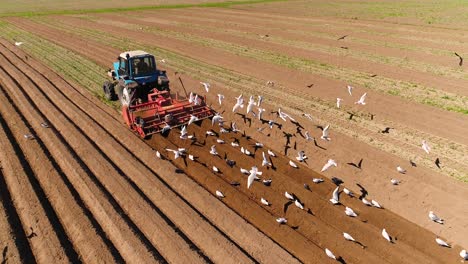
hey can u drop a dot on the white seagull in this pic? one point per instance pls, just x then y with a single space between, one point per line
301 156
192 119
288 196
464 254
260 100
206 85
18 43
215 169
251 104
265 161
244 171
219 141
338 102
335 196
158 154
298 204
442 243
219 194
191 98
376 204
400 170
348 192
281 220
325 135
329 163
364 201
348 237
217 118
177 153
260 112
362 99
253 176
239 103
350 212
220 98
234 127
350 90
271 153
183 132
395 181
317 180
426 146
307 136
292 164
213 150
265 202
386 235
329 253
435 218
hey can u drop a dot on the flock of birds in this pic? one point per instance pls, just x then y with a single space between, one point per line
254 108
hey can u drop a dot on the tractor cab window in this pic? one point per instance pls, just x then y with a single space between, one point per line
123 67
143 66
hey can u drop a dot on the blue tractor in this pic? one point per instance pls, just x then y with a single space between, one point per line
134 69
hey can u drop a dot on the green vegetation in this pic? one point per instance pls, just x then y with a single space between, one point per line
87 7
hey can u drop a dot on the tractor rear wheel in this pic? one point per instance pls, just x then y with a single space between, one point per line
109 92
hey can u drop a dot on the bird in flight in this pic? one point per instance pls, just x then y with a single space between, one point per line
362 99
18 43
460 63
206 85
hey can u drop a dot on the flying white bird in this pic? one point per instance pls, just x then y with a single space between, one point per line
362 99
265 161
348 192
364 201
400 170
282 115
281 220
245 151
464 254
165 128
335 196
219 194
309 116
253 176
376 204
435 218
18 43
350 212
327 165
271 153
239 103
191 98
234 127
177 153
217 118
298 204
196 100
260 100
192 119
350 90
307 136
206 85
162 60
265 202
317 180
301 156
442 243
292 164
260 112
183 132
213 150
329 253
251 104
386 235
223 130
395 181
220 98
426 146
325 135
288 196
338 102
348 237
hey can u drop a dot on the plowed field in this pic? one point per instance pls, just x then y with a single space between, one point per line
76 185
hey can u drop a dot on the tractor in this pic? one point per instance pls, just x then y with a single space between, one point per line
147 103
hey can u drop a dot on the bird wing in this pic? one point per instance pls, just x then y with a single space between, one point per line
335 194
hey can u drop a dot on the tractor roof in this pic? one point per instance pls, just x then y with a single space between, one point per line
133 53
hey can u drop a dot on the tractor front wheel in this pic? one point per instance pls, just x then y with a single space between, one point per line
109 92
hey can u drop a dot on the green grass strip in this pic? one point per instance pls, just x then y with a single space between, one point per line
137 8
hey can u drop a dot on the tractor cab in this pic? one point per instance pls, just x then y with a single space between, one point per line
136 70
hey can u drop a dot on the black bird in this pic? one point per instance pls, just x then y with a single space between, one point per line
461 59
364 192
33 234
437 163
386 130
337 181
310 85
355 165
412 163
342 37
